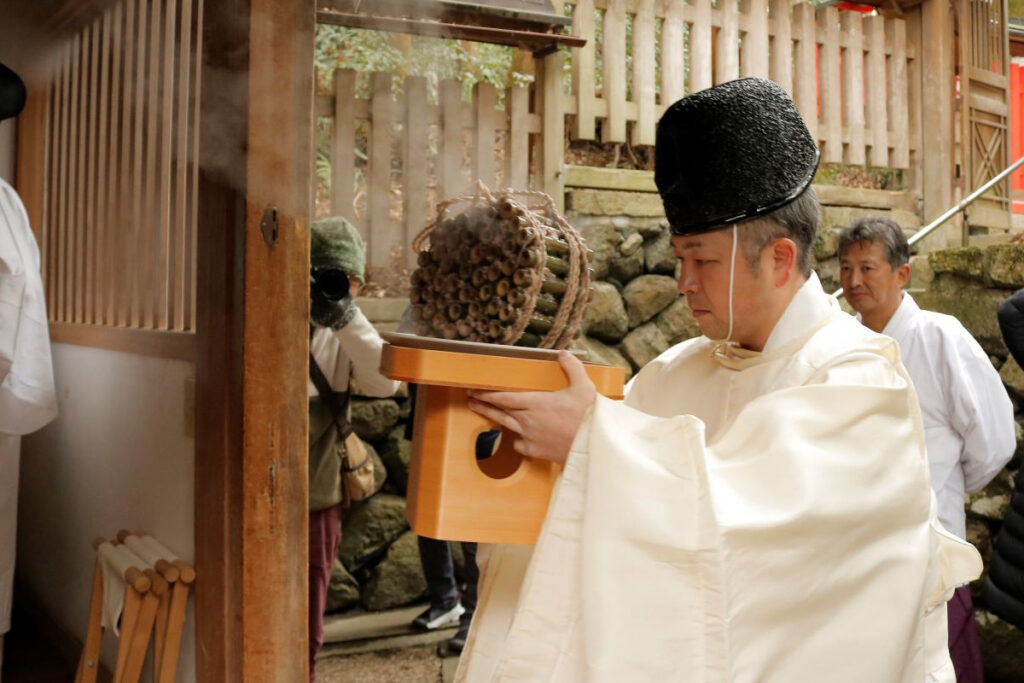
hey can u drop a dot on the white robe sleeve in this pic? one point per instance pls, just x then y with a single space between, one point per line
801 546
362 345
980 411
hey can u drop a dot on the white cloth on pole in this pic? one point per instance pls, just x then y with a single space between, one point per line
740 517
968 418
115 560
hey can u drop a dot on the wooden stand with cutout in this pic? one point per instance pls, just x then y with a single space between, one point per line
451 495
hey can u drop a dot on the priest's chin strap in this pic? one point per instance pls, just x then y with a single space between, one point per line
723 346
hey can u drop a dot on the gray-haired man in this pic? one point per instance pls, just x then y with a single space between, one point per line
968 418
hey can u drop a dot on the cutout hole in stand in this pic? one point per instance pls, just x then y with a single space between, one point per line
494 454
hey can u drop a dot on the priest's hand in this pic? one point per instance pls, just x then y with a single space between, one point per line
546 421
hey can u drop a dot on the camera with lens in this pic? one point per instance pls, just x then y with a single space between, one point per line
330 283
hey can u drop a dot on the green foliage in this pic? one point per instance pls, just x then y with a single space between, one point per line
436 59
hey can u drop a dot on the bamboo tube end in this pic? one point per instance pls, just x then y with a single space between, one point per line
167 570
157 584
123 534
188 573
137 580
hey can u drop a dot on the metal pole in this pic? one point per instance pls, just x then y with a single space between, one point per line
930 228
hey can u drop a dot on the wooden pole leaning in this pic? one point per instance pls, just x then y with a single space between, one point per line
170 615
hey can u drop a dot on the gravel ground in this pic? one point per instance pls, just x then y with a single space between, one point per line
413 665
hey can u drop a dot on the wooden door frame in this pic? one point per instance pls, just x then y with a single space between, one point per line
251 508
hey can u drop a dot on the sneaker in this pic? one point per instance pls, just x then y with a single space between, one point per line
438 617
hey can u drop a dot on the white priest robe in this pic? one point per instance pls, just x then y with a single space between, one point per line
27 397
742 516
968 418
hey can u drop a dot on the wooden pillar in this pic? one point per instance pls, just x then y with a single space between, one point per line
936 51
251 419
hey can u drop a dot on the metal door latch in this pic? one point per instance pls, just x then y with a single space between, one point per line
268 225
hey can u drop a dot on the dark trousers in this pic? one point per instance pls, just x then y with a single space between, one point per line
964 643
324 534
439 571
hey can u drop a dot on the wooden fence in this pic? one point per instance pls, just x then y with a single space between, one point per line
419 151
118 231
854 78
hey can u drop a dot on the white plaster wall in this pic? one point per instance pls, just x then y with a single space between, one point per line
117 457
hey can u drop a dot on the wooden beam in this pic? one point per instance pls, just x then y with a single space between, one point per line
276 328
936 158
224 114
155 343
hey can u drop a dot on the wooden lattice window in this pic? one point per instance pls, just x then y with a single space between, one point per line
119 207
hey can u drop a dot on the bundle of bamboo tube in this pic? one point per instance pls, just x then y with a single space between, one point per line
503 268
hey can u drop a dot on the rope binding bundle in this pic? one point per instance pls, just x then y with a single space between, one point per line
502 267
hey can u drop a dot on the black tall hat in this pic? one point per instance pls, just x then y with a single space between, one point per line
12 93
729 153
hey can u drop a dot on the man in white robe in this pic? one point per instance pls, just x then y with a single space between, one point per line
27 397
968 417
758 508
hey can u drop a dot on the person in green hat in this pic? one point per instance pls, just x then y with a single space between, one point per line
343 345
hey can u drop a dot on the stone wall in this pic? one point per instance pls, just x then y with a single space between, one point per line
969 284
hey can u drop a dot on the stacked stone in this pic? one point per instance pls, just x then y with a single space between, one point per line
378 565
635 310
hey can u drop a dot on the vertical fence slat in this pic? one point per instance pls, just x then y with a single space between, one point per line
58 309
197 61
91 172
553 120
483 138
53 185
914 110
853 87
673 61
898 115
644 66
875 86
132 243
831 114
727 57
165 254
755 42
183 227
343 133
583 70
149 222
614 87
415 161
782 44
116 142
701 62
77 227
380 229
804 72
517 101
103 263
450 157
